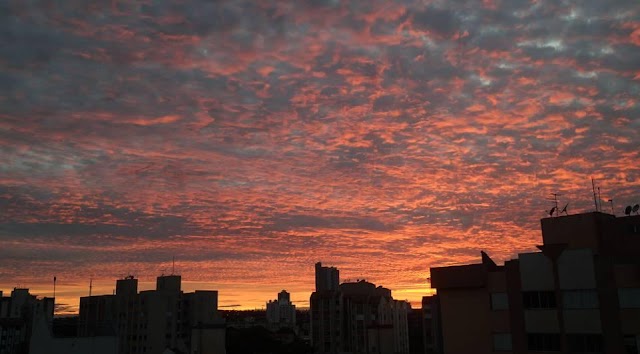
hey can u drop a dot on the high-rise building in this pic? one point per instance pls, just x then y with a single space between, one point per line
281 313
327 332
155 320
579 294
17 314
327 278
356 317
431 335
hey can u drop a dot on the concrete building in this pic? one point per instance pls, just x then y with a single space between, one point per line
17 316
327 318
155 321
579 294
356 317
431 335
44 342
281 313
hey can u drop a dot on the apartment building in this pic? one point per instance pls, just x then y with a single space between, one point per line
281 313
356 317
17 314
155 321
579 294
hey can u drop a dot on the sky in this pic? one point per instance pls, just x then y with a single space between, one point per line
251 139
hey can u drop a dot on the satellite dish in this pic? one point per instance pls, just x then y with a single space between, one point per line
564 210
635 208
627 210
553 210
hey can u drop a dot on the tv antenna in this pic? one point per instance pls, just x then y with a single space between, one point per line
596 197
555 204
612 210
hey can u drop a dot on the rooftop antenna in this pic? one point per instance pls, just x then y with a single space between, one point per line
612 210
90 286
593 187
54 288
555 204
173 266
599 199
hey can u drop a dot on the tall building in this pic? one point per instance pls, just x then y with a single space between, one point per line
327 278
356 317
327 332
579 294
155 320
431 335
281 313
17 316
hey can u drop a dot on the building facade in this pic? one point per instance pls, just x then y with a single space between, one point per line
579 294
356 317
281 313
17 316
157 320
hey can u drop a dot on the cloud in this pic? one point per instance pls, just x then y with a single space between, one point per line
244 137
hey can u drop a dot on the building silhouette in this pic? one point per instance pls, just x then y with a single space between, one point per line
18 314
281 313
579 294
431 323
356 317
163 320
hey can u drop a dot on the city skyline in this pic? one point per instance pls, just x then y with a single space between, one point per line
252 140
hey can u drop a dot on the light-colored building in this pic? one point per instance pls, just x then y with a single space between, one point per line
281 313
356 317
579 294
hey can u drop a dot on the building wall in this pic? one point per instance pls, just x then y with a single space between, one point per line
43 342
580 289
17 319
208 340
465 315
154 320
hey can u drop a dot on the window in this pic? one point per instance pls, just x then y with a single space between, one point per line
502 342
499 301
539 299
629 298
580 299
549 342
585 343
631 344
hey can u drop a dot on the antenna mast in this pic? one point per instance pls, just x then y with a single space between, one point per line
612 210
173 266
593 187
555 204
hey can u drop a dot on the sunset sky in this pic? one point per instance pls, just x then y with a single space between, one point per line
251 139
